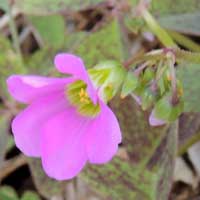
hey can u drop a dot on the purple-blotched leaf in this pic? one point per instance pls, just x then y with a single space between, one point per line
148 170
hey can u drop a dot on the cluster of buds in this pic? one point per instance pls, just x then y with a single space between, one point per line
155 87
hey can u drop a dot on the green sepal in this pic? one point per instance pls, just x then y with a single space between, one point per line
140 89
148 75
108 92
162 86
99 76
166 111
130 84
148 99
108 76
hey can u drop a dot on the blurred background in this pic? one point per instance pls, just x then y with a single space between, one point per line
33 31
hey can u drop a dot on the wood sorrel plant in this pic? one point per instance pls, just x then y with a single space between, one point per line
68 122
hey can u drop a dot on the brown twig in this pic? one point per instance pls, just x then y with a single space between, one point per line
11 165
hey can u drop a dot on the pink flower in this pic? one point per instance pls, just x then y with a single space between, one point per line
64 132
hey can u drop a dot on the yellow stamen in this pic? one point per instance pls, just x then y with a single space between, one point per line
86 94
83 96
82 93
82 99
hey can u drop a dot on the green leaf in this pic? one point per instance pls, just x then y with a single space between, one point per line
51 29
38 7
189 74
29 195
185 23
4 5
8 193
10 64
130 83
41 62
102 45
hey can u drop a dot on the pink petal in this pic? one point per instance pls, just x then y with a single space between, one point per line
27 125
63 145
71 64
153 121
27 88
103 136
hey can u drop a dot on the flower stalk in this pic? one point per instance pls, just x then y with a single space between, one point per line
171 62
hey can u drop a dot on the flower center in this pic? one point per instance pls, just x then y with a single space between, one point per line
77 95
84 96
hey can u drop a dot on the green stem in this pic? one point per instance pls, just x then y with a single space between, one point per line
14 33
186 56
171 62
184 41
162 35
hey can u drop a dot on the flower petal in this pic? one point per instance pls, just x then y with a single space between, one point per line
71 64
63 145
27 88
27 125
153 121
103 136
